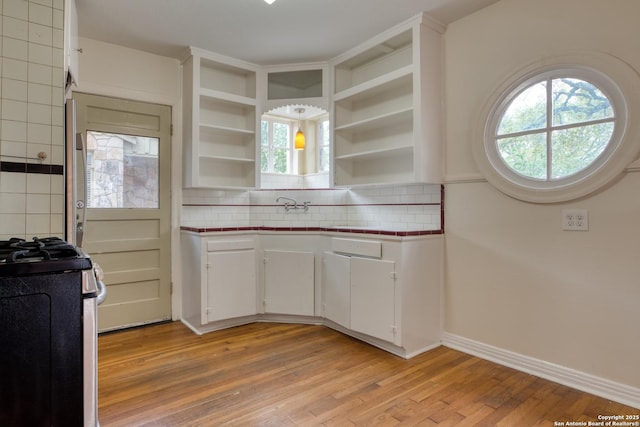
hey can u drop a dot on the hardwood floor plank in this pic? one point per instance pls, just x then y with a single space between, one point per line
299 375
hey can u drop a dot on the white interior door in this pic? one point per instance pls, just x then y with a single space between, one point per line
128 217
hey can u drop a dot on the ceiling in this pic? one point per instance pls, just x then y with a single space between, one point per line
288 31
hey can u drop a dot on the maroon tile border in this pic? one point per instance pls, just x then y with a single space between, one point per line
31 168
330 229
317 229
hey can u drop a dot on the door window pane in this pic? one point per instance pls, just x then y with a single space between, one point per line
122 171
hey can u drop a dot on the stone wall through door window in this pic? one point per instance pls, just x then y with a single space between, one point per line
122 171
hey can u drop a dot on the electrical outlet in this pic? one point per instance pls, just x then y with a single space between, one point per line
575 219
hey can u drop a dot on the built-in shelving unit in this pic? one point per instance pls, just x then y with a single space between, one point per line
220 121
384 99
386 108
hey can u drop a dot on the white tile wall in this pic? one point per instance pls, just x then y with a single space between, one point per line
395 208
31 115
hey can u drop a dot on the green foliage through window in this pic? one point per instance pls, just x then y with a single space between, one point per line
275 146
555 128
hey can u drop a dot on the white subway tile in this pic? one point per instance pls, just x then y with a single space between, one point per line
40 54
57 136
13 131
38 183
56 156
56 224
58 38
14 48
38 133
15 28
57 204
38 224
40 14
39 113
14 110
57 115
38 203
14 69
40 94
13 203
58 19
13 151
12 224
57 59
57 184
16 9
40 34
38 73
14 89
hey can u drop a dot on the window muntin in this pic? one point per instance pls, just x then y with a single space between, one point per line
555 128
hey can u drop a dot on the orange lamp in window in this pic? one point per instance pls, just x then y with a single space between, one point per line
299 141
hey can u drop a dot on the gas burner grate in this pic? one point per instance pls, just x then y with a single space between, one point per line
38 249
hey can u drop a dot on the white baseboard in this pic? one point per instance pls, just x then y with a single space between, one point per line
588 383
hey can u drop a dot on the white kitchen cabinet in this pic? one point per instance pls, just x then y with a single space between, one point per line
336 288
220 121
387 107
219 280
384 290
373 297
231 284
388 289
289 282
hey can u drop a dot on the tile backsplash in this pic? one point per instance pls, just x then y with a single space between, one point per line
31 118
410 207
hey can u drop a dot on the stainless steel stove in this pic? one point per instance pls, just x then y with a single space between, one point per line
49 292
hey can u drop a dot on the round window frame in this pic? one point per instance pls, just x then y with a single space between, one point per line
619 82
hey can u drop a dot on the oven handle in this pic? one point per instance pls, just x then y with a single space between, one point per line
102 292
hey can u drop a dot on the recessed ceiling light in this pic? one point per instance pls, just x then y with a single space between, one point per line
269 1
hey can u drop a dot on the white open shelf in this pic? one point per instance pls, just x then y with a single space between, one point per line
383 92
220 121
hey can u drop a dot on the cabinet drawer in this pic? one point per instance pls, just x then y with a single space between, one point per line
368 248
229 245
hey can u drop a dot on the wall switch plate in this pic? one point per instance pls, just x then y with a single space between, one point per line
575 219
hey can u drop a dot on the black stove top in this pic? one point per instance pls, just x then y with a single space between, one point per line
40 255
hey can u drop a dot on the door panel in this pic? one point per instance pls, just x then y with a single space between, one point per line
372 297
127 225
337 288
231 279
289 282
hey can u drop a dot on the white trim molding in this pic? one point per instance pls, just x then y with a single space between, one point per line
588 383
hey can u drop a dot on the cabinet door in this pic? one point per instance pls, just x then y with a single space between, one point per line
337 292
231 279
373 297
289 282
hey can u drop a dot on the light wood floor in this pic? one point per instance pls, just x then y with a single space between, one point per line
298 375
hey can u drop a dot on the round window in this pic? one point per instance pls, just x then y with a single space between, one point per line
559 131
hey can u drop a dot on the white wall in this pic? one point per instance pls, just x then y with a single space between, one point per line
514 279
